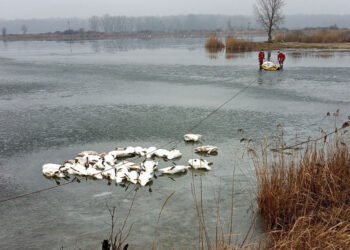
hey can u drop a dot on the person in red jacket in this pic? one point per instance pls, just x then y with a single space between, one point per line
281 57
261 57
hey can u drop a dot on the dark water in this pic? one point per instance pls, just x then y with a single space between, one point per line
57 99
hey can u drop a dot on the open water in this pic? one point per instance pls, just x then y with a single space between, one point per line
58 99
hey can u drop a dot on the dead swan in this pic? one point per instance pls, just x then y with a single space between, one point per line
173 154
207 149
200 164
52 170
192 137
175 169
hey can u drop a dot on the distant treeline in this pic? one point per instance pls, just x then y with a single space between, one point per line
108 23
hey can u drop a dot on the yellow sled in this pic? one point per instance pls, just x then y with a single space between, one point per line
270 66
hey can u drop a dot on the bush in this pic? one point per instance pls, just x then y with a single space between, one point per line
236 45
305 200
316 36
214 44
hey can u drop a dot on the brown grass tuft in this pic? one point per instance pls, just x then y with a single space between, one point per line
317 36
305 199
214 44
236 45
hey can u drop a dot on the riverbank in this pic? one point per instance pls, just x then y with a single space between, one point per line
71 35
304 197
250 46
232 44
298 45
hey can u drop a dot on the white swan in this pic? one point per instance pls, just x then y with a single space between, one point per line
123 152
121 174
110 159
175 169
93 172
52 170
132 176
140 151
200 164
149 166
161 153
130 165
67 167
145 177
207 149
109 172
87 153
100 164
173 154
150 152
78 169
91 155
192 137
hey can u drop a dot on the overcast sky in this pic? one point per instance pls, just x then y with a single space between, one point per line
16 9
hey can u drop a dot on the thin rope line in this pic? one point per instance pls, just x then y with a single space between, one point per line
192 128
37 191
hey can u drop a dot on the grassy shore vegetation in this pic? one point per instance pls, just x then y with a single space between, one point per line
305 197
315 36
237 45
302 194
214 44
319 39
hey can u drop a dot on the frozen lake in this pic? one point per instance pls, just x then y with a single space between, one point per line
58 99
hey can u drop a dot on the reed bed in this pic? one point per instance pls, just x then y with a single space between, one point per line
317 36
214 44
305 197
237 45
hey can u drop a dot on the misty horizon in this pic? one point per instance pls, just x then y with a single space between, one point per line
39 9
173 23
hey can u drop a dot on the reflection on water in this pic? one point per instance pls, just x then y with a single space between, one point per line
55 103
315 54
113 46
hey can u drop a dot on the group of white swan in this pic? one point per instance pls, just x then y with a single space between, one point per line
114 167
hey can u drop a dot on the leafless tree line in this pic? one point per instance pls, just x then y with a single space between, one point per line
269 14
109 23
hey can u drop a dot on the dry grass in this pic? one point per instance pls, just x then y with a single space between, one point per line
223 237
305 199
237 45
317 36
214 44
116 239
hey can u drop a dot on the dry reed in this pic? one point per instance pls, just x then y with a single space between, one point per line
305 199
316 36
237 45
117 239
214 44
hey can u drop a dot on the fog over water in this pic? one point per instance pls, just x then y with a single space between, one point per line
58 98
25 9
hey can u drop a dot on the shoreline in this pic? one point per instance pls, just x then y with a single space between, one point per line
78 36
300 45
83 36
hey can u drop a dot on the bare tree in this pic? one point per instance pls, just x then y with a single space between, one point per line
269 14
24 29
107 23
4 31
94 23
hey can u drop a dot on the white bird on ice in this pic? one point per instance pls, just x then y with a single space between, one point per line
175 169
132 176
200 164
173 154
207 149
145 177
192 137
52 170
